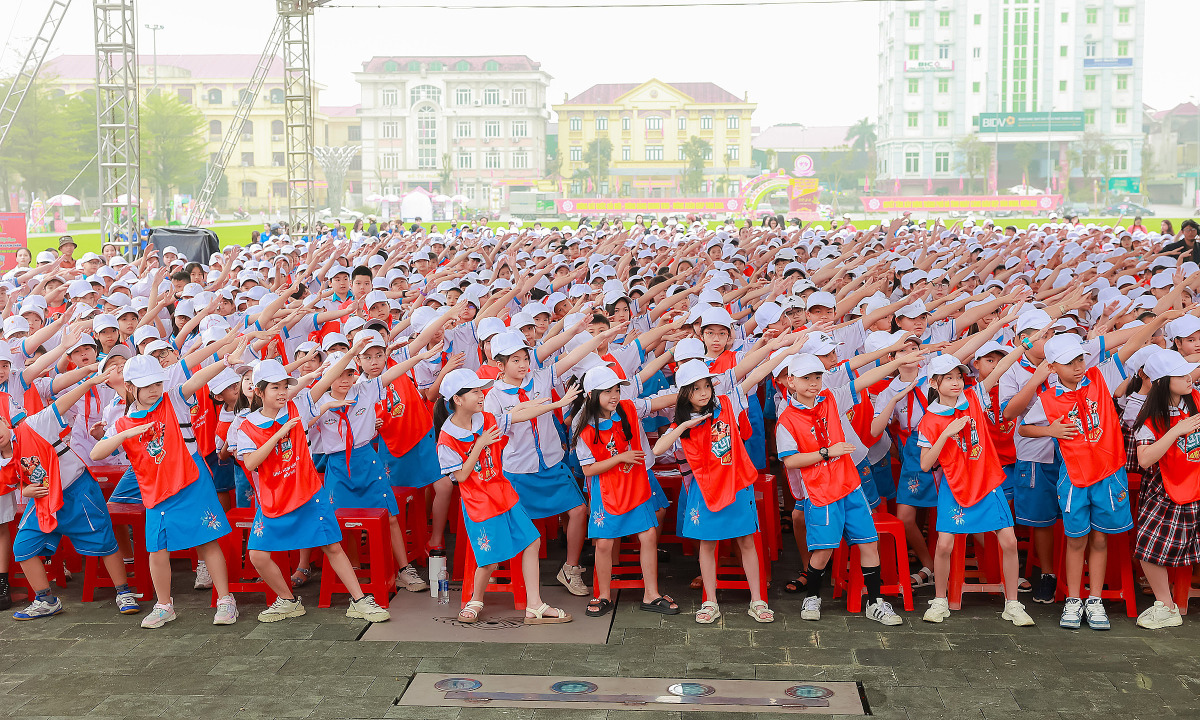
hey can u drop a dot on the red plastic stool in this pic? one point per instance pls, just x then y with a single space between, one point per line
766 500
107 476
1030 552
378 577
414 522
243 577
1118 576
137 573
985 571
55 569
894 574
626 568
509 570
733 577
548 528
1181 587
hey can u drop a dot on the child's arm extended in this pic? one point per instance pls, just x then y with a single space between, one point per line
666 441
929 455
258 456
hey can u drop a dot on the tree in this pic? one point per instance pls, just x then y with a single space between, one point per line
1027 154
695 150
445 175
172 148
1089 153
861 137
598 156
974 156
554 163
45 146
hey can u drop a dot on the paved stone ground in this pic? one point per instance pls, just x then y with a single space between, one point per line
91 662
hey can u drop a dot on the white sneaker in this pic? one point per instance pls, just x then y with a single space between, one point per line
365 608
127 603
410 580
1072 614
1097 616
1015 613
1159 616
811 610
571 577
282 609
203 579
227 612
881 612
159 616
939 610
39 608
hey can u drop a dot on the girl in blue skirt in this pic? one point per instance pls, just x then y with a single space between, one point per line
711 430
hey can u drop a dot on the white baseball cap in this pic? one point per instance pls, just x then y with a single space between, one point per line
1183 327
912 310
1168 363
461 379
691 371
334 339
507 343
104 322
943 364
803 364
689 349
767 313
821 299
270 371
1033 320
490 326
601 378
143 371
991 346
716 316
15 324
222 381
1063 349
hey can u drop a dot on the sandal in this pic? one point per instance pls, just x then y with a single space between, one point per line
470 612
921 578
539 616
697 583
300 577
797 585
662 604
1024 585
598 607
708 613
760 612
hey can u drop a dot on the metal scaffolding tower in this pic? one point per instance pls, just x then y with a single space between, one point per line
233 133
117 121
298 109
23 81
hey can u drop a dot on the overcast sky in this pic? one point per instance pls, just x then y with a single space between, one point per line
807 64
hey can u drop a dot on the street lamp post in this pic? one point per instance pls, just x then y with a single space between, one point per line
154 45
1049 144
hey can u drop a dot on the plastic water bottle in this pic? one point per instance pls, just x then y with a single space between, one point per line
443 585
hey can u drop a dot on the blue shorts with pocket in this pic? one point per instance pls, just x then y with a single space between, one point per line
1103 506
1035 493
83 519
850 517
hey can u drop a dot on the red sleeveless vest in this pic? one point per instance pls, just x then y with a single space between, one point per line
828 480
204 417
286 479
35 462
485 493
968 459
1098 448
1180 466
159 457
406 418
717 456
625 486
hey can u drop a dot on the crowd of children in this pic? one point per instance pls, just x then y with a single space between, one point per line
1006 381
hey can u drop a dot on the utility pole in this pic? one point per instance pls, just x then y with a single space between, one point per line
154 45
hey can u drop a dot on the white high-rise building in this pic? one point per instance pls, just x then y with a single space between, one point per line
484 118
1055 85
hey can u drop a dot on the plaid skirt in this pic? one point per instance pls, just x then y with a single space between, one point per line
1168 533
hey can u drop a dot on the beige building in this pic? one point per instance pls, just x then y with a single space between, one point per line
648 124
257 172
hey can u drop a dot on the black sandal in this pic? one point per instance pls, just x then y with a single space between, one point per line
602 607
661 604
797 585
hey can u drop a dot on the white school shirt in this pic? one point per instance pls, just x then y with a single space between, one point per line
642 405
852 338
900 413
48 424
1133 407
527 451
360 414
1111 370
89 411
448 459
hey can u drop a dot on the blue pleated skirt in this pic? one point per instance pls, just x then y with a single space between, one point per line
736 519
416 468
222 473
548 492
189 518
502 537
602 524
360 482
313 524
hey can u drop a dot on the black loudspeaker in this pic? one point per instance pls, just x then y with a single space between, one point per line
196 244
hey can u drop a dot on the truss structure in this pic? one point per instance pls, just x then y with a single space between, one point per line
119 150
23 81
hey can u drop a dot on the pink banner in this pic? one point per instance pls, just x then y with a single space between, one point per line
605 206
12 237
970 203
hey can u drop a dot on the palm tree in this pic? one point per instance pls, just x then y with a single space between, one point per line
861 137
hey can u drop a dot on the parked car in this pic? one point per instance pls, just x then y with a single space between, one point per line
1075 208
1129 209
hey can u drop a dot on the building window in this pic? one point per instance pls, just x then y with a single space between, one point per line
912 163
1123 15
247 159
978 19
425 92
1089 49
242 96
249 188
462 96
913 119
277 96
356 163
941 161
276 130
976 53
414 66
389 161
943 85
654 152
214 128
682 124
279 188
517 95
491 96
427 153
601 122
1122 82
491 161
914 19
520 161
706 122
276 159
469 191
1062 85
682 155
184 95
1065 17
731 122
462 66
914 52
914 86
975 86
214 97
247 130
944 18
734 152
1091 16
435 66
1089 118
575 124
943 52
465 161
576 153
391 130
354 132
943 119
1089 83
491 66
708 153
626 153
1120 161
462 129
520 128
491 129
388 97
1121 116
1063 50
625 124
654 122
1122 48
391 66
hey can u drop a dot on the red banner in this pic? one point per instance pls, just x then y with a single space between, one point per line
968 203
630 206
12 238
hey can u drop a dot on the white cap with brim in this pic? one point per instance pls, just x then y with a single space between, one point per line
689 349
1185 326
821 299
803 364
601 378
271 371
156 345
334 339
691 371
1033 320
490 326
84 339
943 364
507 343
462 379
224 379
1138 359
716 316
912 310
1062 349
1168 363
117 351
767 314
143 371
991 346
